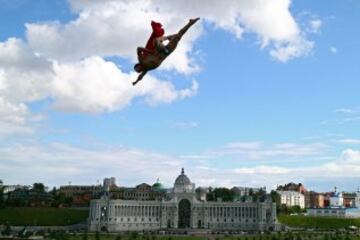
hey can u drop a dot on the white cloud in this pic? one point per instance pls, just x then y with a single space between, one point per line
315 25
12 113
333 50
24 78
66 61
14 118
186 125
347 166
349 119
349 141
262 170
352 110
348 115
299 47
244 145
107 28
164 92
110 28
8 129
260 150
90 85
22 72
95 85
64 162
350 156
69 69
84 165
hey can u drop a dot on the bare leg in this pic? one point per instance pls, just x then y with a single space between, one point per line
187 26
174 39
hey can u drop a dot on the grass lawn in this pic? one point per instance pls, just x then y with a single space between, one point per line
20 216
113 237
318 222
275 236
302 236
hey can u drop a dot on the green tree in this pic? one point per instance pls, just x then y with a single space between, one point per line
97 235
283 209
275 196
251 192
225 194
146 236
294 209
60 198
261 195
53 192
133 235
2 200
210 196
40 187
118 237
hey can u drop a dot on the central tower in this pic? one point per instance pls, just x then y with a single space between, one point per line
183 184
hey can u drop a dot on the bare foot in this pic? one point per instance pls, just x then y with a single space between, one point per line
193 20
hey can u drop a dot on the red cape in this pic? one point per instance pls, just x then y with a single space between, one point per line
158 31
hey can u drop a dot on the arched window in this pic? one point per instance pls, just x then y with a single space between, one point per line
184 213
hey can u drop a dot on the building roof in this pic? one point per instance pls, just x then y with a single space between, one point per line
157 185
292 187
182 179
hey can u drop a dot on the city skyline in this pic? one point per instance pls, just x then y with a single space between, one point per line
265 94
101 182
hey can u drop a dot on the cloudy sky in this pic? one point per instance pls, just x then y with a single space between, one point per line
258 93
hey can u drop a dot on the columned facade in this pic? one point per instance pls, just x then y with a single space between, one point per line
181 210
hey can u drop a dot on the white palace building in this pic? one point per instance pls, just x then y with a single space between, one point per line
181 209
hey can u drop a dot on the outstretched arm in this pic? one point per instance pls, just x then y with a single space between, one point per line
141 75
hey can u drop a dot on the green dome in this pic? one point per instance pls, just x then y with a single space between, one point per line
157 185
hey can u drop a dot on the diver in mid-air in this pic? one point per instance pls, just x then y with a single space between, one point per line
155 51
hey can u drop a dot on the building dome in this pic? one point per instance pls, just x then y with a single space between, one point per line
157 185
182 179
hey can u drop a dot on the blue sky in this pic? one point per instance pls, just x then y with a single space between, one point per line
264 95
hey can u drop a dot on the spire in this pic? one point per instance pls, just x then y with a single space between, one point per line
182 171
